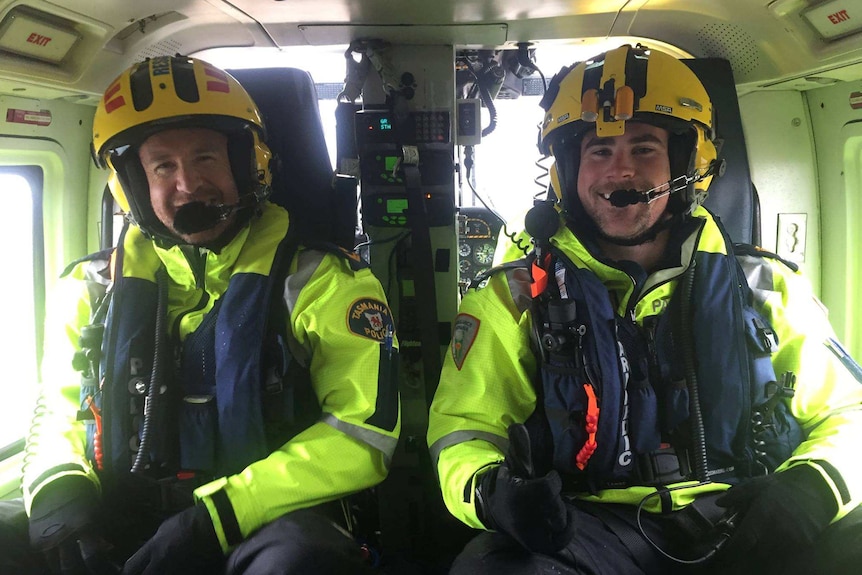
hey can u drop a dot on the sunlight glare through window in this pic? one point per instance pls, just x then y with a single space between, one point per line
18 342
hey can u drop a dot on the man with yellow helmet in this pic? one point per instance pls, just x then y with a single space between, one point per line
637 396
233 385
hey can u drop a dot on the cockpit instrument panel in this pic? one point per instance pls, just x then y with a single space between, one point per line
477 240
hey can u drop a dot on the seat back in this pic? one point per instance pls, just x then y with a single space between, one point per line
732 197
303 180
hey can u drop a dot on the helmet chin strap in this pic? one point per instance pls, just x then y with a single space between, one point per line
647 236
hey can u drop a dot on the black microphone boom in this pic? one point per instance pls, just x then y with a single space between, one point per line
630 197
195 217
623 198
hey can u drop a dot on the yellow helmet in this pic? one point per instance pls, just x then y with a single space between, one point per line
631 85
176 92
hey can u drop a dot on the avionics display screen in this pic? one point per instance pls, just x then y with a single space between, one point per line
396 206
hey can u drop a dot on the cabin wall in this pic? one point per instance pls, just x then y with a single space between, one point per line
781 157
837 125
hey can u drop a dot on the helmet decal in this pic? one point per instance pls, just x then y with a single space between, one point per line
217 81
111 103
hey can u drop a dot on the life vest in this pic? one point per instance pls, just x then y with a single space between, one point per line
615 399
228 398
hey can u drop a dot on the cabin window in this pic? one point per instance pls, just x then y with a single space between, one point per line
20 350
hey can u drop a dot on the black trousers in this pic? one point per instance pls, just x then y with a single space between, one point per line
302 542
617 547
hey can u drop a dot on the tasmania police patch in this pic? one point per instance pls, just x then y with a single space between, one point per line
369 318
463 336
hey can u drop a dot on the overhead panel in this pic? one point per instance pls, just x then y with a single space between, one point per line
417 35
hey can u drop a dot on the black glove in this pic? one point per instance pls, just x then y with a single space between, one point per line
510 500
776 514
64 528
184 543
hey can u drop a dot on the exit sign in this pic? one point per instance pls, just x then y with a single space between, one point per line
25 35
835 18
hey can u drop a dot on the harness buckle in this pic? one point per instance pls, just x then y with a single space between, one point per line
766 335
663 466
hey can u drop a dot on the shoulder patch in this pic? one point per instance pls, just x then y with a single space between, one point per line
463 336
369 318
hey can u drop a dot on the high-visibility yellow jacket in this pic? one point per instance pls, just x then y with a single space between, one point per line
488 380
335 310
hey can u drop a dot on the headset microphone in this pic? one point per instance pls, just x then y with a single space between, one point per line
623 198
195 217
630 197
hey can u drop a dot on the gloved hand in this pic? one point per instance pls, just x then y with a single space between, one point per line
64 527
530 510
184 543
776 513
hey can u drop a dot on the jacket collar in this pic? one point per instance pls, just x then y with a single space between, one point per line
189 266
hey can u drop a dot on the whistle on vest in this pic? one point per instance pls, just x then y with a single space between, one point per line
562 332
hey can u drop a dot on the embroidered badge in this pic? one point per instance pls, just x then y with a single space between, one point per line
369 318
463 336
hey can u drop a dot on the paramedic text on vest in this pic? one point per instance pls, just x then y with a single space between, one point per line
624 401
188 437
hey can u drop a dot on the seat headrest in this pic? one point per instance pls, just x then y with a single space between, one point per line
732 197
303 177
